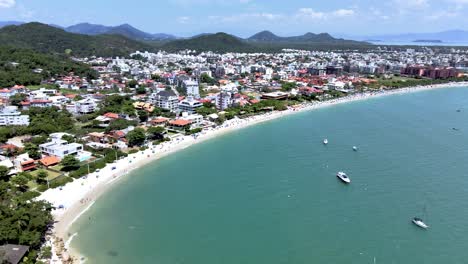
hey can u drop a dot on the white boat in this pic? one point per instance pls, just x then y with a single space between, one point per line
419 222
343 177
325 141
355 148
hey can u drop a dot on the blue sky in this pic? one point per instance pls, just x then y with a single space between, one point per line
246 17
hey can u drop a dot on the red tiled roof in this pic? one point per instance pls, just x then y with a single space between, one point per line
120 133
29 167
180 122
159 120
8 146
49 161
111 115
40 102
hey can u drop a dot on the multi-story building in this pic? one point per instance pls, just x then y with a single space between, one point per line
60 148
223 100
82 107
10 116
166 100
189 105
192 88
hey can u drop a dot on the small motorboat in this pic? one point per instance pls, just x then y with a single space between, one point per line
419 222
355 148
325 141
343 177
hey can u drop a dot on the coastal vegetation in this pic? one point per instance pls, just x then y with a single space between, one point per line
27 67
23 220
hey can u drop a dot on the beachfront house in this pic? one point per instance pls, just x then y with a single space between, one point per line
60 148
24 163
179 125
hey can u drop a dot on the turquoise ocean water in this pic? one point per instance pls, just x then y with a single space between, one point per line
268 193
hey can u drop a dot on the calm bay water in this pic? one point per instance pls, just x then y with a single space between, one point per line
268 193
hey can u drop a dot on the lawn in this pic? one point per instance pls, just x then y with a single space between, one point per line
57 167
52 174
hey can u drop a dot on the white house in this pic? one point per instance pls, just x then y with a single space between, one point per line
60 148
194 118
10 116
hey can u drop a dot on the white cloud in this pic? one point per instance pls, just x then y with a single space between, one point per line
7 3
442 15
183 19
309 13
343 12
411 4
247 16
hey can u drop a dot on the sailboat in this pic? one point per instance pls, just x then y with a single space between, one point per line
325 141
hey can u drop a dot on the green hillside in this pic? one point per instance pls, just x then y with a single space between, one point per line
17 67
47 39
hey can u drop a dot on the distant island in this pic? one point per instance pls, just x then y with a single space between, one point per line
429 40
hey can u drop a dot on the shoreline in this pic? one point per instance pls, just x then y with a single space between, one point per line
79 196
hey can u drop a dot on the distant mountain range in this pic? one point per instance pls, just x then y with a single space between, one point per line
124 30
95 29
122 40
261 37
444 36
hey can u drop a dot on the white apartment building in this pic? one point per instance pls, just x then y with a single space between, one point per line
82 107
60 148
10 116
192 88
166 100
189 105
223 100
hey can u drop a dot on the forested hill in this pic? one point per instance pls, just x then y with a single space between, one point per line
17 66
48 39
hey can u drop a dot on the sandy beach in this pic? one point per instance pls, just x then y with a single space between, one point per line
78 196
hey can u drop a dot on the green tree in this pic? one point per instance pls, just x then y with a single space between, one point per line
17 99
32 150
132 83
205 78
156 132
157 78
70 163
42 176
136 137
4 173
288 86
21 182
141 90
68 138
143 115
